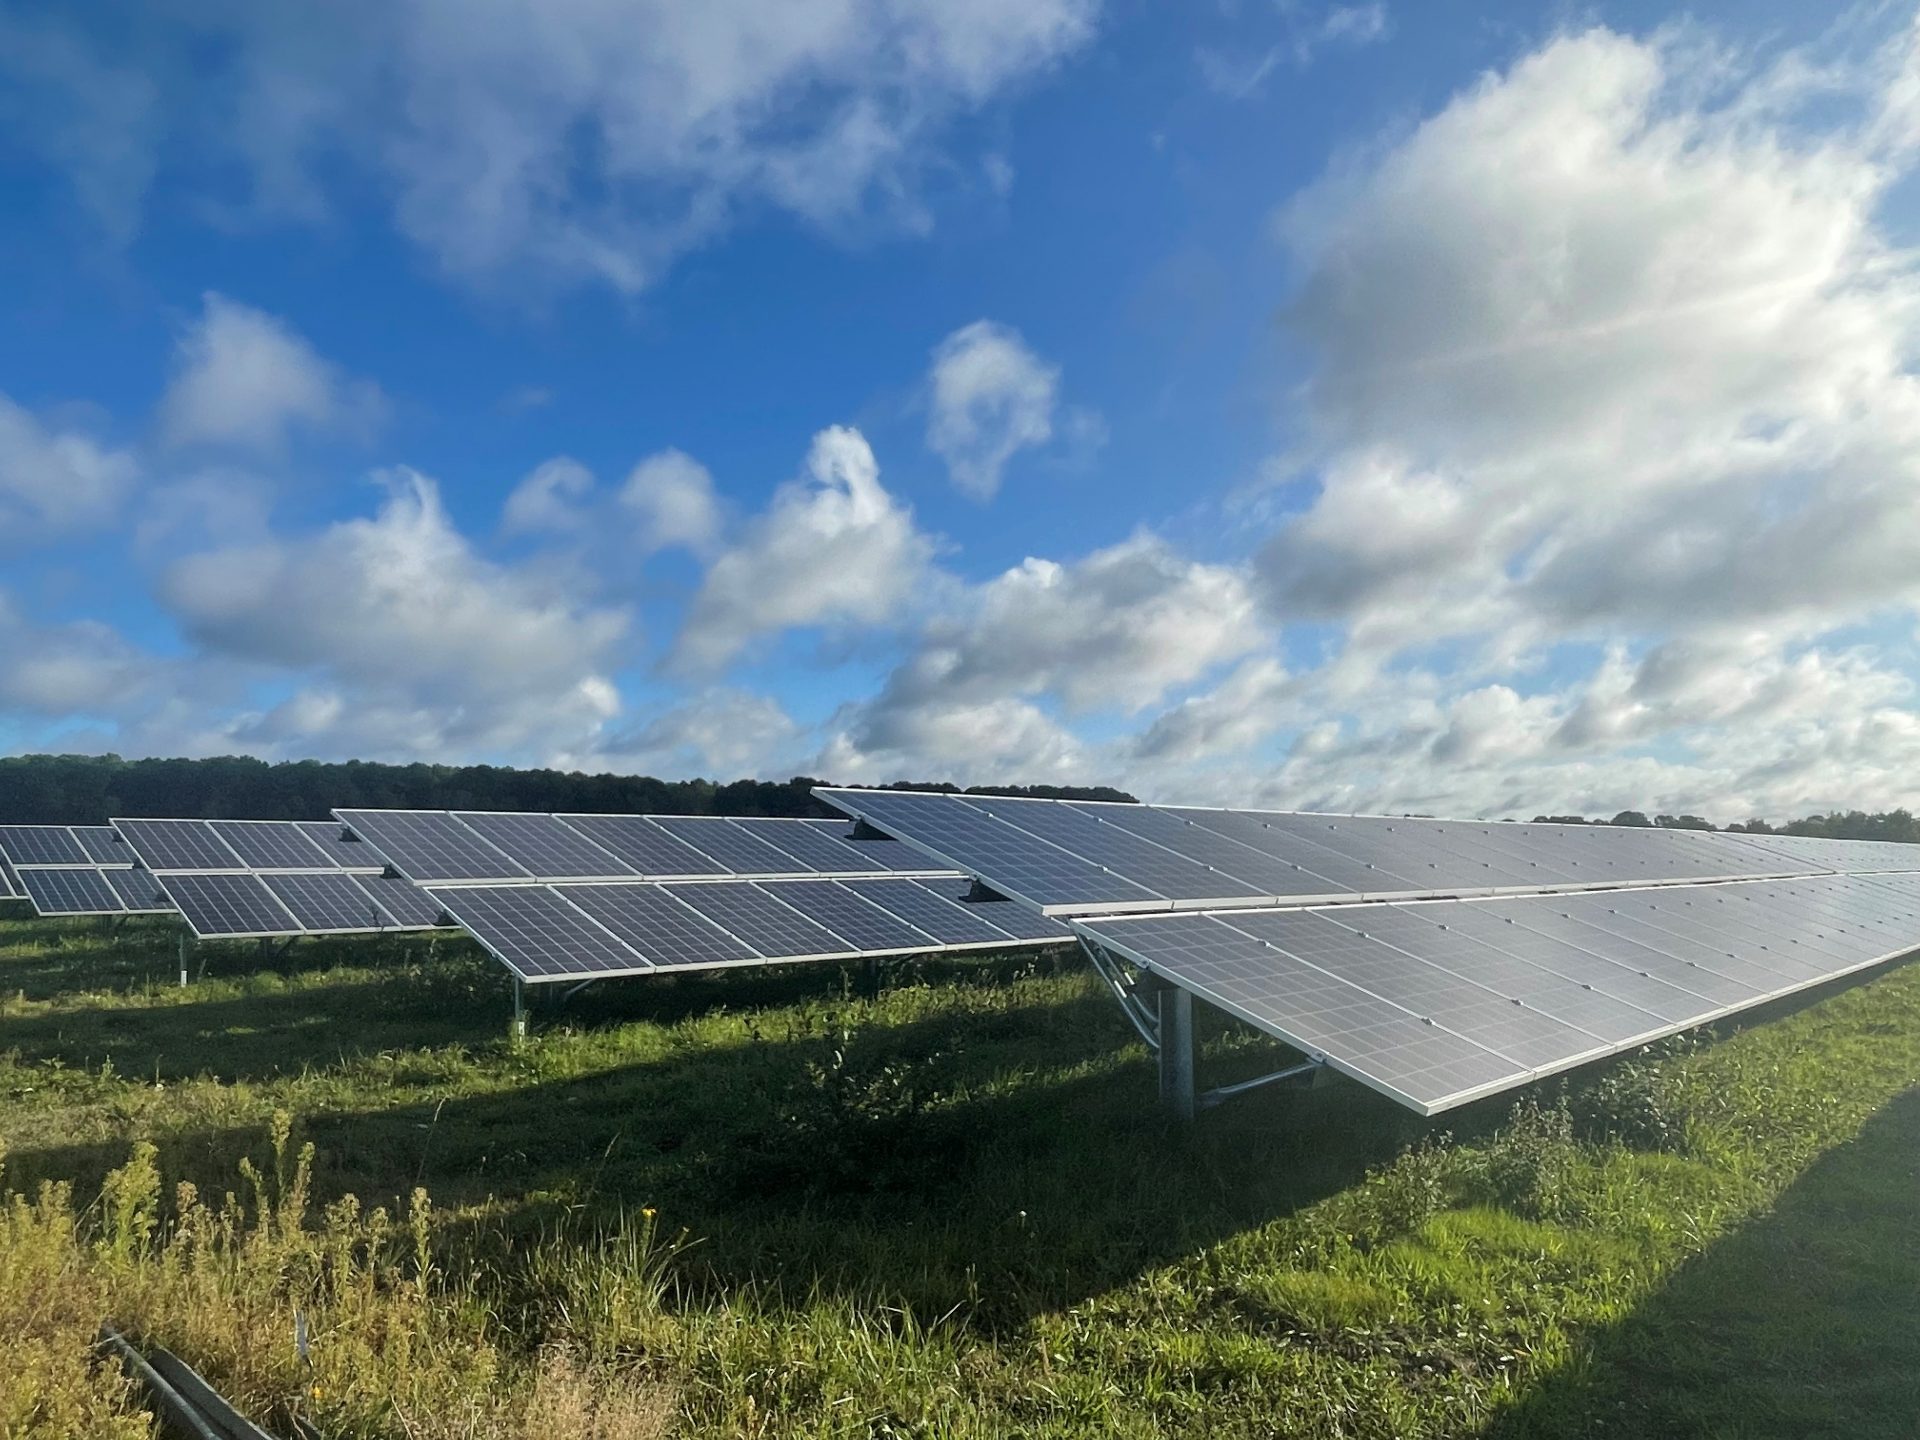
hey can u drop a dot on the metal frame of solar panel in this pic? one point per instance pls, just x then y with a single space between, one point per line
571 898
1430 989
77 871
272 879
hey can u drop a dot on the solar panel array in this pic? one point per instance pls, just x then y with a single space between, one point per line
1437 961
570 897
1068 857
73 870
274 879
1440 1002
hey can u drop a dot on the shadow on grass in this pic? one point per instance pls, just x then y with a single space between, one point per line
990 1160
1804 1323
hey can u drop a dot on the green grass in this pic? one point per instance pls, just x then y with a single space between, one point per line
942 1205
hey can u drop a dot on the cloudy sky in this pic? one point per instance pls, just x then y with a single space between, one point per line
1465 409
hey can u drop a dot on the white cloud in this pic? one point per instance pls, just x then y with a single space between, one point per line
54 480
571 140
726 733
1257 700
244 379
407 639
78 668
991 397
1236 72
548 499
836 549
671 500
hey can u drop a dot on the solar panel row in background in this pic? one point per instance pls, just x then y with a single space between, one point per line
1440 1002
1082 857
274 879
73 870
545 933
446 848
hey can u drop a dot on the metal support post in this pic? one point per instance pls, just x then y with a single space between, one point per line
518 1032
186 950
1176 1052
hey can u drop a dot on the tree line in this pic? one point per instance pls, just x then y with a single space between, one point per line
1896 825
92 789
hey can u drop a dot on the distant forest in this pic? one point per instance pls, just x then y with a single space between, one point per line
1896 825
92 789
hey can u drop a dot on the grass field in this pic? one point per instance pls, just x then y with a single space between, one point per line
940 1204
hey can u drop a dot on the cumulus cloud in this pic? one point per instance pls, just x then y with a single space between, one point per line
548 499
80 668
244 379
568 140
671 500
991 397
723 732
406 637
834 549
55 479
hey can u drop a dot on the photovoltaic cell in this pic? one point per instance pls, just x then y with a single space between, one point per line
271 845
73 891
327 902
739 852
41 845
1150 866
139 892
544 846
330 837
1007 916
1014 861
431 845
669 934
536 933
922 905
103 845
186 845
650 850
772 928
230 906
405 905
811 847
861 923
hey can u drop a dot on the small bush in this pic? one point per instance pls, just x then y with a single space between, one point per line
1637 1103
1528 1166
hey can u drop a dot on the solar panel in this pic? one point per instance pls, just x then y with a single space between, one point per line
139 892
880 854
774 929
431 845
544 846
944 917
103 845
667 932
645 846
1007 916
184 845
812 845
536 933
41 845
323 903
1013 861
865 925
227 906
405 905
1086 857
344 850
70 891
1542 982
740 852
272 845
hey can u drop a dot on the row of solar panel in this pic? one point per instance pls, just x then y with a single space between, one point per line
227 906
1440 1002
1079 857
95 845
448 847
569 932
189 845
92 890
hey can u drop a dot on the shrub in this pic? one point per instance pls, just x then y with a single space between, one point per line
1528 1166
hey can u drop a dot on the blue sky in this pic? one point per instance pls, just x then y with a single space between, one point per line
1335 405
